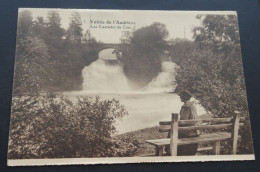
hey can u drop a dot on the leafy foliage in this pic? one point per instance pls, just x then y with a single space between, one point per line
74 32
219 36
53 29
212 70
53 126
53 63
24 23
31 65
142 57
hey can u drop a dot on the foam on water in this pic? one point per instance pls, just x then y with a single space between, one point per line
100 76
165 80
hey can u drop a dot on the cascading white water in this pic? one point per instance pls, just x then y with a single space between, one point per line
165 80
105 74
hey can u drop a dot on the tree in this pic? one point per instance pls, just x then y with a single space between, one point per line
34 59
150 38
213 72
142 57
24 23
179 48
44 56
219 36
30 65
39 27
54 30
88 38
74 32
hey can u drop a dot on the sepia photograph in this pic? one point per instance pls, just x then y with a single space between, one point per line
127 86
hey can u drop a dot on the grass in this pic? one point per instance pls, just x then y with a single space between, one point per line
140 136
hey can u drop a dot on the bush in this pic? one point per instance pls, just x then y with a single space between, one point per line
53 126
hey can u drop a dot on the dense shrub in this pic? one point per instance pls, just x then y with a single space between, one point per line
55 127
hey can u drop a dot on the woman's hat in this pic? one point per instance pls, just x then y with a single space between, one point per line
185 93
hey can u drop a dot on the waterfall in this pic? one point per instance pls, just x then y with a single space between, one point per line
165 80
105 74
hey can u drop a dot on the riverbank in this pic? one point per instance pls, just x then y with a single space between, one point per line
140 136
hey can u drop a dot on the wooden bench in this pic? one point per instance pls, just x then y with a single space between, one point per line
217 131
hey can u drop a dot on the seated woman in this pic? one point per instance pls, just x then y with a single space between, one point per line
187 112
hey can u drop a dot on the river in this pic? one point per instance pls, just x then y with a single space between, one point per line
145 109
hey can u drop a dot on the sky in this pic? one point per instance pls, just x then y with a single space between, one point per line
178 23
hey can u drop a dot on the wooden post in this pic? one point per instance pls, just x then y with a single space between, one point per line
216 147
158 150
235 129
174 135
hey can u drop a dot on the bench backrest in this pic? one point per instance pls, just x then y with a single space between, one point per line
213 124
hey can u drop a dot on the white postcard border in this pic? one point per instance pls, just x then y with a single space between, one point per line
123 160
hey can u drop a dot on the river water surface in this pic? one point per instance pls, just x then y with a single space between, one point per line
145 109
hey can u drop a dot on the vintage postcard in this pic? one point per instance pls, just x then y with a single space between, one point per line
128 86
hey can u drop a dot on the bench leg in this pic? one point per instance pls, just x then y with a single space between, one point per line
159 151
216 147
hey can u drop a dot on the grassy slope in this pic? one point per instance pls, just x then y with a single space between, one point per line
141 136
